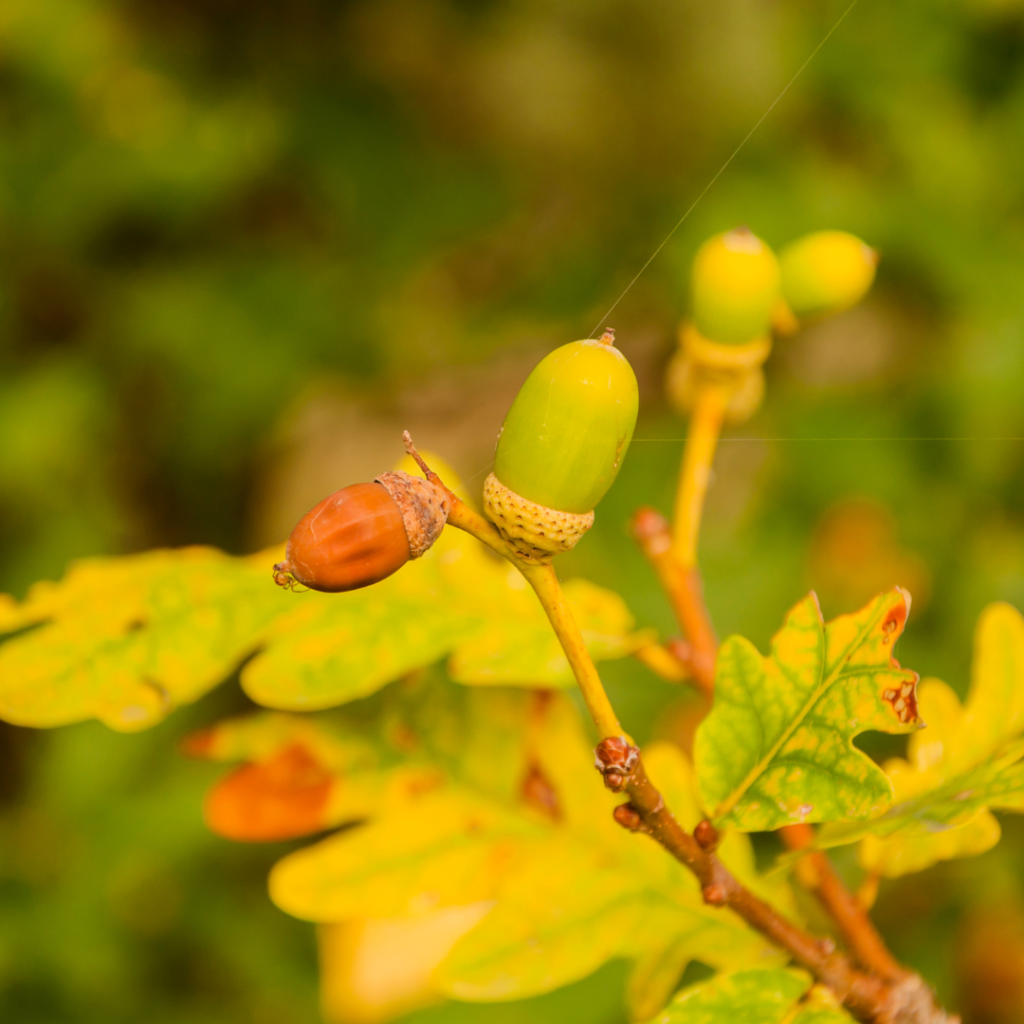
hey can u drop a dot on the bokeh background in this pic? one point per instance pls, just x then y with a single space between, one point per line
244 243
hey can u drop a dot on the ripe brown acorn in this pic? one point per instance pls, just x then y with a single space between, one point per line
363 533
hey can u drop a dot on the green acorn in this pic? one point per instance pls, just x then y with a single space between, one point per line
735 287
826 272
561 446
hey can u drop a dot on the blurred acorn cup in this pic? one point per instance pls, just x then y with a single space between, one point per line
699 363
561 447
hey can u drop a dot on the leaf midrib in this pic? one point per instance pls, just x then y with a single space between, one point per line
827 681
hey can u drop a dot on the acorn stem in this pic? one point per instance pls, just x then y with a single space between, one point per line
545 584
464 518
418 459
695 471
869 997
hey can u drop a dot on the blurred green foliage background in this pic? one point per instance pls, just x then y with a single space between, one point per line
244 244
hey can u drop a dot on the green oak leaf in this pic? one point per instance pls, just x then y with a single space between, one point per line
777 747
754 997
941 812
525 647
488 798
128 639
966 764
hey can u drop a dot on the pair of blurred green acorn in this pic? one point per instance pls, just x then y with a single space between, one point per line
569 428
742 293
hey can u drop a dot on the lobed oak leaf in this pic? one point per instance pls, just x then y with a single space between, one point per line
966 764
754 997
375 969
128 639
777 747
517 823
300 777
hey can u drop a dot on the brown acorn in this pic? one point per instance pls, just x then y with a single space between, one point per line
363 533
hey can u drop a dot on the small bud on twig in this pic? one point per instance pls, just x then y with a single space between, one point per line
616 759
706 835
629 817
714 894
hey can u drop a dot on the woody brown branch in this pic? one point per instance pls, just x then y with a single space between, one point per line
682 585
871 999
685 593
858 932
903 999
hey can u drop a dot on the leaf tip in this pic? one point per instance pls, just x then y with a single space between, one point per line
896 617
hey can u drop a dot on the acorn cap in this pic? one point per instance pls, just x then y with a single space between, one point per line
699 362
424 508
536 532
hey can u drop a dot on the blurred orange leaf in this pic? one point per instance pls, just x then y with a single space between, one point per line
284 797
484 798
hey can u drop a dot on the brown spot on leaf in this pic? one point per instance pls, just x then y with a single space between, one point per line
894 621
538 792
904 702
281 798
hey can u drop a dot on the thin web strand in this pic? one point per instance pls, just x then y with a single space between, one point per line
721 170
796 437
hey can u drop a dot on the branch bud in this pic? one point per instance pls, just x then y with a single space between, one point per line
629 817
616 759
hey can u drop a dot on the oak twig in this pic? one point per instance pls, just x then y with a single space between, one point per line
685 592
695 471
859 933
872 999
544 581
901 999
